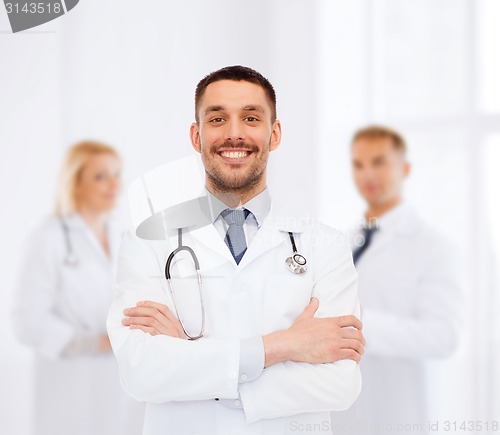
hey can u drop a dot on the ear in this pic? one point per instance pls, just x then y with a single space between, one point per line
194 135
406 169
275 136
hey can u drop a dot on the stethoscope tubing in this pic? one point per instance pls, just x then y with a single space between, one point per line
70 258
168 276
296 264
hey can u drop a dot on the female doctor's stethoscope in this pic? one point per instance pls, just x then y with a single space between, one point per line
296 264
70 257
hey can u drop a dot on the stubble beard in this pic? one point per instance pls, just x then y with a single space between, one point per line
235 182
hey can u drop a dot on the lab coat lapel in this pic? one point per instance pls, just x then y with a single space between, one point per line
384 238
272 233
402 222
266 238
211 239
76 223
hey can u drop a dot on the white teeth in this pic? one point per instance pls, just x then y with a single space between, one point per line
234 154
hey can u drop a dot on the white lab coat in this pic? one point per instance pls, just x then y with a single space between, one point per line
80 394
412 308
179 379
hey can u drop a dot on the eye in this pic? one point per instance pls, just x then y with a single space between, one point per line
217 119
251 119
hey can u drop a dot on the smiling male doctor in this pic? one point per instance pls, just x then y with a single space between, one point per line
281 349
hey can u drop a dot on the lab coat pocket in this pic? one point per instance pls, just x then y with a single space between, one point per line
286 295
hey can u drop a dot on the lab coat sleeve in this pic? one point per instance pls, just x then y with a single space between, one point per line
252 358
290 388
159 368
432 330
33 317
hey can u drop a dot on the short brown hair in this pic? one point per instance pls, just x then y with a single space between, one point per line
381 132
236 73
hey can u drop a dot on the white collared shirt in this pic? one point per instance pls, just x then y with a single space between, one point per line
258 206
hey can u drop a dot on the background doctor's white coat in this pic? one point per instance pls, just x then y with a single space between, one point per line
125 71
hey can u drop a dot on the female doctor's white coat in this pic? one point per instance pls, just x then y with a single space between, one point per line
56 302
180 379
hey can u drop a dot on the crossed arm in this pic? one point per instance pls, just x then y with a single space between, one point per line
308 339
314 360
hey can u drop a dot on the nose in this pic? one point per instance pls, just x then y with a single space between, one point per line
366 176
234 131
114 183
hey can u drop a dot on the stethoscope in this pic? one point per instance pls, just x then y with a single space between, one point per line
295 264
70 257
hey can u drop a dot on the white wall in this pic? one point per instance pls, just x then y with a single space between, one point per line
30 148
138 69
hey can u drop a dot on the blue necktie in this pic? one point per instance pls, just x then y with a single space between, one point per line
367 236
235 236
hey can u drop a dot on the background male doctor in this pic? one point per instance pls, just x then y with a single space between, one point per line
281 349
408 286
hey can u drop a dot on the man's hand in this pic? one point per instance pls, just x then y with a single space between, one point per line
316 340
310 339
153 318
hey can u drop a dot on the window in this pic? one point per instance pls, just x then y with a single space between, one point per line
430 70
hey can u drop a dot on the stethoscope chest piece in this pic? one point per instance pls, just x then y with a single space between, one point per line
296 263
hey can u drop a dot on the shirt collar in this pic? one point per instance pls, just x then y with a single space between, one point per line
259 206
402 219
388 218
74 221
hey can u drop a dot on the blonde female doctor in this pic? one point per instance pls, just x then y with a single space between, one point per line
64 293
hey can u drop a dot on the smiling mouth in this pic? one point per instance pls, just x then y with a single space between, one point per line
240 154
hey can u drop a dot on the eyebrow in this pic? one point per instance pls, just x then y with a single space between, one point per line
213 109
247 108
253 108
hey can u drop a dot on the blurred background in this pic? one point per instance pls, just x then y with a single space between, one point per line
124 72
